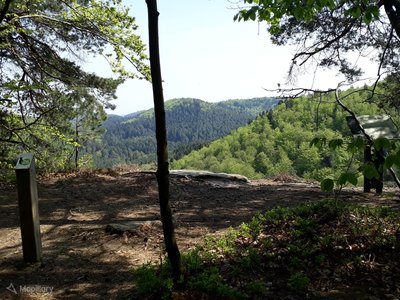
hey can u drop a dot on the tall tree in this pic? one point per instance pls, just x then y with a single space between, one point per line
324 31
328 33
88 117
161 136
43 44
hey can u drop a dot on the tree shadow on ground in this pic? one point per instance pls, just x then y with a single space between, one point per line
81 259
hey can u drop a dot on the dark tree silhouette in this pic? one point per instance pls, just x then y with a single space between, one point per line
161 136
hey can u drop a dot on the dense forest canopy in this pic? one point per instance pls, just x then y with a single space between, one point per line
191 123
278 142
43 88
49 105
337 34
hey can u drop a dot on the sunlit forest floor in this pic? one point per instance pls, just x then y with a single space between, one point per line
97 227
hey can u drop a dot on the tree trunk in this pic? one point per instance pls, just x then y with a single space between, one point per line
4 10
76 141
367 159
161 136
392 9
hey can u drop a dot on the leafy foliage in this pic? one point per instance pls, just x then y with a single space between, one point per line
279 143
42 85
327 30
312 250
160 285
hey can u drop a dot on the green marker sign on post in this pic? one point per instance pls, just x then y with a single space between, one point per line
28 208
380 126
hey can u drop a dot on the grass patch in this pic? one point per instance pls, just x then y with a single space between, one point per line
313 250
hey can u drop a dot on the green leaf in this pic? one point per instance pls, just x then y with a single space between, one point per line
318 142
354 11
368 17
371 13
252 13
356 145
374 9
370 171
395 145
342 179
391 160
335 143
382 143
327 185
353 179
330 4
347 178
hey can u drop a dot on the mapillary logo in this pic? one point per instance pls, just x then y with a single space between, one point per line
30 289
11 288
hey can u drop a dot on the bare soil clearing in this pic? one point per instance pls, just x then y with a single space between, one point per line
97 227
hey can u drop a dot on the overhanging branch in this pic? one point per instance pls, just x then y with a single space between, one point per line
325 46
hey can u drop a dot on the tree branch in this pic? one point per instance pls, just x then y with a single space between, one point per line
297 92
316 50
3 12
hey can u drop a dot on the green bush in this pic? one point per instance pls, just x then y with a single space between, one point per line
298 282
151 282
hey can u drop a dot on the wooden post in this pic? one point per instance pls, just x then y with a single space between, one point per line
379 162
367 158
374 183
28 208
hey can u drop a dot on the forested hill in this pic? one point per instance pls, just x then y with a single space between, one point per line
279 142
191 123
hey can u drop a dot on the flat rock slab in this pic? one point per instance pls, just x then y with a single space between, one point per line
209 175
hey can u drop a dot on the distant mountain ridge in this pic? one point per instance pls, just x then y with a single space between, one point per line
191 123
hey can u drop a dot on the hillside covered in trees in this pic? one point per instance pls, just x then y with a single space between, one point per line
278 142
191 123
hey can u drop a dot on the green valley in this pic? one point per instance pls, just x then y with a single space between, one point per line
278 142
191 123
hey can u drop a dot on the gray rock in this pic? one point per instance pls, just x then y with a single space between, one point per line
209 175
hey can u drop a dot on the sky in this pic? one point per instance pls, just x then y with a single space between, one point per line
206 55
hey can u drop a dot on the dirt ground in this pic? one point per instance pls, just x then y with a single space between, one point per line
87 256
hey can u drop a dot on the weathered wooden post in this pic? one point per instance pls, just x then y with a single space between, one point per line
367 158
28 208
375 183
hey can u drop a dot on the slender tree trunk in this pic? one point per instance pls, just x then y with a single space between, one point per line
161 136
76 141
392 9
